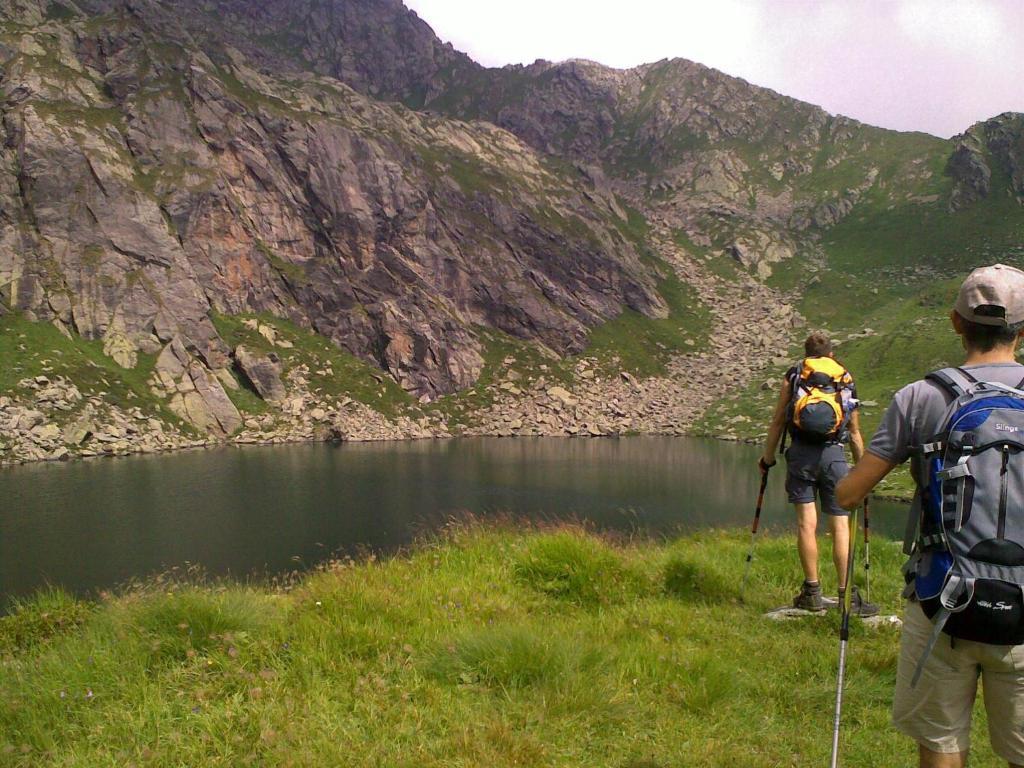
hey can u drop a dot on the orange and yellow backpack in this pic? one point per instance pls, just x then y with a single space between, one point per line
822 400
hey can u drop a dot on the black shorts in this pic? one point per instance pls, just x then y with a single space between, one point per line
815 470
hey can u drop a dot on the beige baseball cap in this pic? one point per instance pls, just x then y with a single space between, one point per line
992 296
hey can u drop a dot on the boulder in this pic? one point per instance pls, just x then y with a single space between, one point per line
562 395
118 347
195 393
263 372
971 174
81 429
226 379
268 333
46 432
29 419
758 252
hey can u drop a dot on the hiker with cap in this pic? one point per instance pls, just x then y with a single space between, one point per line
817 409
963 429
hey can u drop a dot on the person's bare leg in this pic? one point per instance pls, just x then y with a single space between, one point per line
931 759
807 539
839 527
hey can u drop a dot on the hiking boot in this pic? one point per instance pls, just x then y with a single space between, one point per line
861 607
810 598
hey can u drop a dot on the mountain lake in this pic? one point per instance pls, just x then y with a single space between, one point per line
257 512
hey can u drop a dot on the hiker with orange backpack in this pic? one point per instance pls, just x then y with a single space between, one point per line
817 409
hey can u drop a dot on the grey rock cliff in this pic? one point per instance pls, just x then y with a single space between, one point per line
146 183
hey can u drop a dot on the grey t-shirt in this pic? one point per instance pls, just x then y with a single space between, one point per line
916 412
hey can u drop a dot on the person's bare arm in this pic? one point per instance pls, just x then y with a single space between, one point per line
777 425
856 438
868 473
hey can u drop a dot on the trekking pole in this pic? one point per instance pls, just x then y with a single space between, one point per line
757 522
845 595
867 551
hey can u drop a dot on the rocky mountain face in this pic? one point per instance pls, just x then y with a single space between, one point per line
728 163
332 164
736 168
146 184
997 143
378 47
702 144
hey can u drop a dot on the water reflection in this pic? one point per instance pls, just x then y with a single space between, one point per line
91 525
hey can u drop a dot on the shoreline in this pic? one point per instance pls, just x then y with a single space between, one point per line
51 420
54 422
201 445
326 440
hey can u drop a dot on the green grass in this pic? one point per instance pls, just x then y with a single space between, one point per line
473 175
333 372
253 99
635 228
294 274
576 569
644 345
30 349
35 622
96 118
460 654
912 337
59 12
631 342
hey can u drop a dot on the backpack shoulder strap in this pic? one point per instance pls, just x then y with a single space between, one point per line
955 381
798 369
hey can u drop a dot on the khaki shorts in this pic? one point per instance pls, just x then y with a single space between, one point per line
937 714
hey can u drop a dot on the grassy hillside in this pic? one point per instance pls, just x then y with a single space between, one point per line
328 370
487 648
29 349
884 288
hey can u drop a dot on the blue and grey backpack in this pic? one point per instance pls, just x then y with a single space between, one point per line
967 529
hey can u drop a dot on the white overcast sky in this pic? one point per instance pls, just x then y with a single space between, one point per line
929 65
